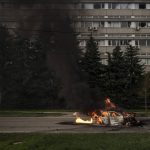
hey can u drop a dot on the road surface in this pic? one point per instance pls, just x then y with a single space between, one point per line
62 124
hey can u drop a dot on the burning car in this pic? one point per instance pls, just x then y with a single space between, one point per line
110 116
106 118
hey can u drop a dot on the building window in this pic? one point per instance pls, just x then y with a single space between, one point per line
147 6
142 6
101 24
123 42
115 6
110 5
78 24
110 42
148 24
105 61
124 24
87 6
82 24
82 6
133 6
108 24
148 61
143 61
136 42
114 42
96 24
123 6
114 24
148 42
129 24
102 5
142 24
142 42
88 24
97 6
118 42
101 43
82 43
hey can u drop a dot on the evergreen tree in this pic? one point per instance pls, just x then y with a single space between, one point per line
25 79
63 57
5 60
93 77
40 86
134 72
91 64
144 90
116 75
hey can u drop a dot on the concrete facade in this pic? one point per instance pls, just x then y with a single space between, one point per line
111 22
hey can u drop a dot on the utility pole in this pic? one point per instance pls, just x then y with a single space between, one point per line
145 91
145 95
0 98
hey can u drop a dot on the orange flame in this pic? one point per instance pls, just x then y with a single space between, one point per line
109 105
102 117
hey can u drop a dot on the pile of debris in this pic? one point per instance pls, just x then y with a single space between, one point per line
110 116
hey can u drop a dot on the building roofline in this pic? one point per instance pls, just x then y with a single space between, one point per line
71 1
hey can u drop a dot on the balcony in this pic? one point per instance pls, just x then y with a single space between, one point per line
112 12
114 30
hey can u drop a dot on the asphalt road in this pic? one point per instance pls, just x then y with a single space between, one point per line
62 124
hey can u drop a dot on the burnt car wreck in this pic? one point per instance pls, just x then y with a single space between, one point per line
110 116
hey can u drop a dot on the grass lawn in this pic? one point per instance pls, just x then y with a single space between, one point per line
140 112
75 141
55 113
29 114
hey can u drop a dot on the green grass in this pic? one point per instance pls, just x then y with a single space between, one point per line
140 112
75 141
143 114
28 114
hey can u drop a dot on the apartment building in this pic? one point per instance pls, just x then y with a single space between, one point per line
113 23
110 22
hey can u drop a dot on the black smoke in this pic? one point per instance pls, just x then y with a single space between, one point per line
54 26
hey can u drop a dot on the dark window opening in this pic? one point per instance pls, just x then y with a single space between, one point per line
97 6
129 24
142 42
148 42
114 6
102 24
109 42
142 6
82 6
110 5
143 24
103 5
124 24
136 42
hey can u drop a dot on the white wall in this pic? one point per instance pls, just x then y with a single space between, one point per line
133 25
147 6
88 6
106 5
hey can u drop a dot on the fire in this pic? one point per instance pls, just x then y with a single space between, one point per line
96 118
105 113
108 116
102 117
79 120
109 105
